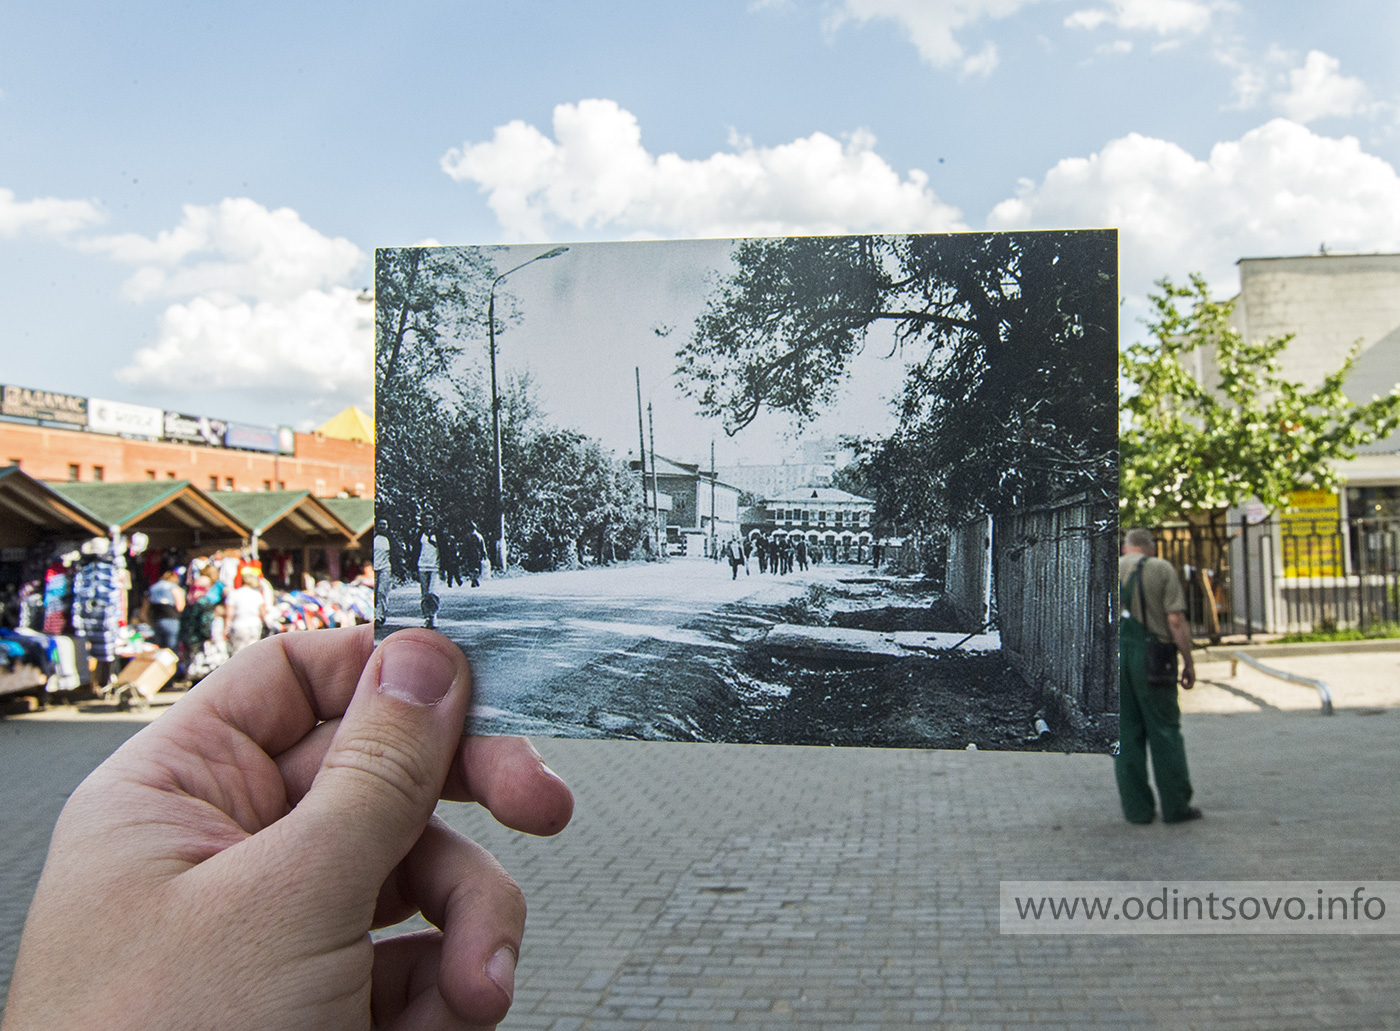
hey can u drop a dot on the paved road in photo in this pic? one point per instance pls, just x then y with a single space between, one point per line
529 635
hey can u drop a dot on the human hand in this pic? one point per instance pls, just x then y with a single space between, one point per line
223 868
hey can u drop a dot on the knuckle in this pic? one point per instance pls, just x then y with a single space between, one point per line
390 757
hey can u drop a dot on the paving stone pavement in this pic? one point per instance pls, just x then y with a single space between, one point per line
727 885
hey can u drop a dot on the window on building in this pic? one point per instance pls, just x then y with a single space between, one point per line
150 474
228 483
14 462
320 488
281 484
840 517
170 474
267 484
72 473
805 515
213 483
99 473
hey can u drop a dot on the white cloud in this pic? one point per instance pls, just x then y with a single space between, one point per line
265 303
235 247
1318 89
1280 189
1164 17
313 346
931 26
596 176
45 216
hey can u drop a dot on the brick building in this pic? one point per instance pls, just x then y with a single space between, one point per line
323 465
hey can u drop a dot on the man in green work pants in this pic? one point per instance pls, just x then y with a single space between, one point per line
1148 716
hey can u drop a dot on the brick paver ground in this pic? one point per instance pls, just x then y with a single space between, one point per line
726 885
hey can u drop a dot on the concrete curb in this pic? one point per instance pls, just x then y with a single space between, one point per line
1221 652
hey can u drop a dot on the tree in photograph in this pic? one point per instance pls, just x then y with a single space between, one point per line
427 301
1247 432
562 491
1005 343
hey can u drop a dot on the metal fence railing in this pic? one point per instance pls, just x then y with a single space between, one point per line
1286 575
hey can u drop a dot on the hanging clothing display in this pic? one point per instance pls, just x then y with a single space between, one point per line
57 595
98 590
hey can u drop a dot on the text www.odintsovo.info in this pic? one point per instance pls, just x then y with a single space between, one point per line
1200 907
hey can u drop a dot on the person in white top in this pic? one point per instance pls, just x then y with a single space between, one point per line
382 573
427 577
245 612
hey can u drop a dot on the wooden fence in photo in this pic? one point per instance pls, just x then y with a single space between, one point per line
1055 587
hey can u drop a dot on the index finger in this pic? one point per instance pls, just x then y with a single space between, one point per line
277 690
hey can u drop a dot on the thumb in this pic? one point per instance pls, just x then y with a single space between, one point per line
385 768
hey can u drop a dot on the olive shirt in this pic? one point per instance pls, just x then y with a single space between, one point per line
1161 589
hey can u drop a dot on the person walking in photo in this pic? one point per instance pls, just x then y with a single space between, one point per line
1152 631
383 571
476 552
735 551
427 577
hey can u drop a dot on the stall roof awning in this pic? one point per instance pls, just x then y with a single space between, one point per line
356 513
288 518
168 511
31 510
351 424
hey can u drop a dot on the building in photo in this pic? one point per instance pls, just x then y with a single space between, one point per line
840 523
701 506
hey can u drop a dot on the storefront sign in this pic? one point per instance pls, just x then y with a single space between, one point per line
251 438
1310 528
124 419
286 440
23 403
194 429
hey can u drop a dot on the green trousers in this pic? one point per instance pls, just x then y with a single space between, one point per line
1148 717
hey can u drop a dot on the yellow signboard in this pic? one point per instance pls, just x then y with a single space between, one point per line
1311 532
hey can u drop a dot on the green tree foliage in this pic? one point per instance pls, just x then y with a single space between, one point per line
1245 432
1006 343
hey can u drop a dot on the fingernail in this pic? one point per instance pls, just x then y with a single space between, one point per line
545 767
500 968
415 673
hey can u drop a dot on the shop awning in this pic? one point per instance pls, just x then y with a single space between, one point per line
287 519
172 513
356 513
351 424
31 511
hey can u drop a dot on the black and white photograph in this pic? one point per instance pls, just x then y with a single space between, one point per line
817 490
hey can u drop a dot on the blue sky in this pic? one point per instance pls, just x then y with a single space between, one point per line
190 194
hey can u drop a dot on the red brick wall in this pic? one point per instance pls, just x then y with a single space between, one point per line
321 465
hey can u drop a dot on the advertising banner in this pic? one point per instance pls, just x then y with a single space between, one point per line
124 419
286 440
1311 534
251 438
23 403
194 429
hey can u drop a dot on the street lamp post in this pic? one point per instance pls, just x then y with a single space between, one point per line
500 557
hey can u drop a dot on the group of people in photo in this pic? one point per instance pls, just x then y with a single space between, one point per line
419 555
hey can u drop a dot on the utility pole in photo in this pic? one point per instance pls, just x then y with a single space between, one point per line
714 553
655 497
642 451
